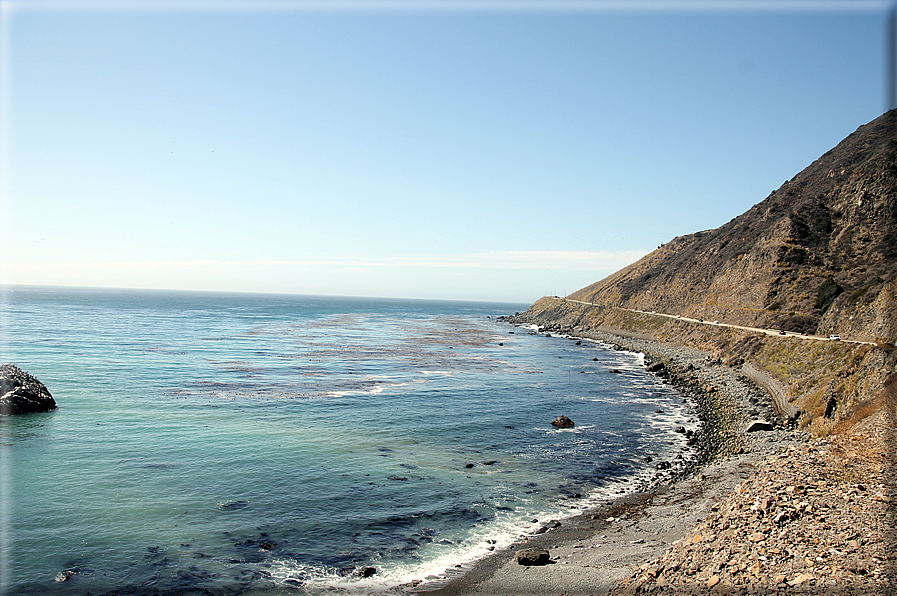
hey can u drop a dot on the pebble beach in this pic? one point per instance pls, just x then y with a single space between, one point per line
773 511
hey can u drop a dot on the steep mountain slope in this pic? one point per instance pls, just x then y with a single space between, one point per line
819 255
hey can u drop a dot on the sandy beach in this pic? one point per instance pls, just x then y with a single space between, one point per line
627 547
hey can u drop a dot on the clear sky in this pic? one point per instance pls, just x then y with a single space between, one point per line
458 150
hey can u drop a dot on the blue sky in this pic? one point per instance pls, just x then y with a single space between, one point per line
484 151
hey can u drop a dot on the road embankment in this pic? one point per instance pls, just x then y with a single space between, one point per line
826 382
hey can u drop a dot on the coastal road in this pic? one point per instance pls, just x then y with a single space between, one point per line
775 332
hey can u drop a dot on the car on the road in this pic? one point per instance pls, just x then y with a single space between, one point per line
834 337
716 322
782 333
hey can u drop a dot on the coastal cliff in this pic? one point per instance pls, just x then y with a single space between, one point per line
798 296
818 256
794 299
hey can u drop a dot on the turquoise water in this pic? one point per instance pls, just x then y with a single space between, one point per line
235 443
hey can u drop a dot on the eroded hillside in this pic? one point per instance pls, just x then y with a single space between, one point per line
816 256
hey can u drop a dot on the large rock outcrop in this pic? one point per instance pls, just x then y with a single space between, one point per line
20 393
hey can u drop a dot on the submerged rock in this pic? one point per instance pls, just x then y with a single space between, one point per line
232 505
66 575
562 422
20 393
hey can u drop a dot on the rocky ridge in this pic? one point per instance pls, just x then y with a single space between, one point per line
817 255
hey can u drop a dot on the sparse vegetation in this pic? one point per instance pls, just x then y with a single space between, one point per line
821 427
803 260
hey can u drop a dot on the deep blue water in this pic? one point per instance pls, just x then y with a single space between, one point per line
270 444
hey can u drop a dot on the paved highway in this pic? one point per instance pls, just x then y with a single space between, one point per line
775 332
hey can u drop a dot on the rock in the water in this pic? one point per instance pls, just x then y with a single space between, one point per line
655 367
532 556
562 422
65 575
20 393
232 505
756 425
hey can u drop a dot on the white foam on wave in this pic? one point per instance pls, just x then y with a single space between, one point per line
370 385
440 562
503 531
289 572
575 430
601 400
437 562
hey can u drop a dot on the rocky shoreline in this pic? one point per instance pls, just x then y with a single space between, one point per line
698 529
816 518
727 402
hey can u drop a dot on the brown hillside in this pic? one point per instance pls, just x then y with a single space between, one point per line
816 256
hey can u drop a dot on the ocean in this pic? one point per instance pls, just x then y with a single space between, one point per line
273 444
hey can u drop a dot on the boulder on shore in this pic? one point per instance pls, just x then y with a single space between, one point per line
20 393
532 556
562 422
756 425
